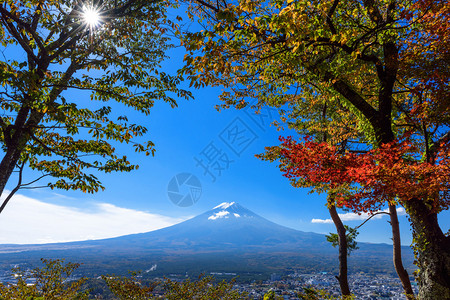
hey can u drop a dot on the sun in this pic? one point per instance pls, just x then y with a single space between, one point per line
91 16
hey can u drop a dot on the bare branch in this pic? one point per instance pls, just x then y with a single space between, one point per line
377 213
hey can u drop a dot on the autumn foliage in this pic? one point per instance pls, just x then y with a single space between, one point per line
426 51
381 175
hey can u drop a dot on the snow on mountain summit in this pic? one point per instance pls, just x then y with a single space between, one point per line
229 210
220 214
225 205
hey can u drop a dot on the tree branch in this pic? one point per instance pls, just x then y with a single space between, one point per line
437 145
373 12
13 31
16 188
330 14
377 213
215 9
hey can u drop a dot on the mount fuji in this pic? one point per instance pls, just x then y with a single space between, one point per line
228 238
227 226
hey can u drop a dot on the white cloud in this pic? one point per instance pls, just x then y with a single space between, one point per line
356 217
322 221
29 221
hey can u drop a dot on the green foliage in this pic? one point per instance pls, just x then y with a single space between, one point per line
202 289
59 77
129 287
53 282
270 295
351 234
311 293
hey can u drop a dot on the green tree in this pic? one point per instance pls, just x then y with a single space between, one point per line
49 50
130 287
311 293
202 289
53 282
351 235
354 57
270 295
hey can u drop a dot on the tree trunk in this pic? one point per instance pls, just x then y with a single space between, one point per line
397 253
15 138
432 250
7 166
16 141
342 278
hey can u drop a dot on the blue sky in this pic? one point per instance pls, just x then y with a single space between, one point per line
138 201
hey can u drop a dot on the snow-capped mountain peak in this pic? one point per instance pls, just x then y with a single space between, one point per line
229 210
225 205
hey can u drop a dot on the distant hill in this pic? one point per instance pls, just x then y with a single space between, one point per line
228 238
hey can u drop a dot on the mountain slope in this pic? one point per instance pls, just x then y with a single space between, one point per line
228 238
227 226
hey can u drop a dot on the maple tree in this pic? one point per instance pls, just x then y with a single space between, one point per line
49 51
380 174
326 131
372 62
345 235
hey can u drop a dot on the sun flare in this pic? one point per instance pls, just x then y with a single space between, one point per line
91 16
